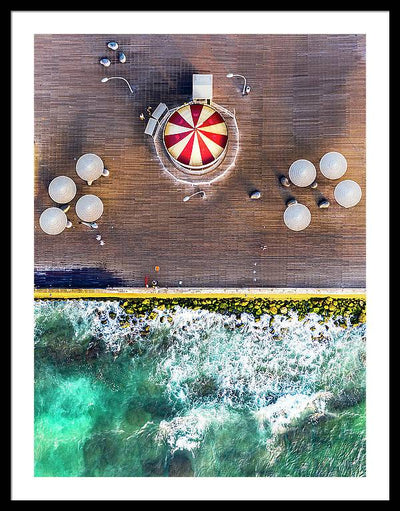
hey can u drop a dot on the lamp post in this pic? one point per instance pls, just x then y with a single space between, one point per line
107 78
185 199
246 88
92 225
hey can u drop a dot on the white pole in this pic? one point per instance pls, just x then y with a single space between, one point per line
107 78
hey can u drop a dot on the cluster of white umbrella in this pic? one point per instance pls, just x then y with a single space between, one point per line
302 173
62 190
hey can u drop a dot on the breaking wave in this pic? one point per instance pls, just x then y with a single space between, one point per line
194 392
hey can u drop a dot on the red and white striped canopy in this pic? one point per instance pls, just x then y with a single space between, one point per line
195 135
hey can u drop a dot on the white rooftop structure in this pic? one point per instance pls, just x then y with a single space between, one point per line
202 88
151 127
160 111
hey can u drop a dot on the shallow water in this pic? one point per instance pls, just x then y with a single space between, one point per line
200 394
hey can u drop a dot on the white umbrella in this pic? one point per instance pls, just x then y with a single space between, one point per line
347 193
333 165
62 189
302 173
89 167
297 217
89 208
53 221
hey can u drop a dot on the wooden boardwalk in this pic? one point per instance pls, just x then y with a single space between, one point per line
307 98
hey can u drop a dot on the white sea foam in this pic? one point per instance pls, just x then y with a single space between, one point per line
283 372
186 432
291 410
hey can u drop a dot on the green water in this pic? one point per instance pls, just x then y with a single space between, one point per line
197 397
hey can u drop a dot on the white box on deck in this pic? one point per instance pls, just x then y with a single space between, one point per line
151 127
202 87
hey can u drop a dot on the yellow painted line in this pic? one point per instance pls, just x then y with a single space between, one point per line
279 294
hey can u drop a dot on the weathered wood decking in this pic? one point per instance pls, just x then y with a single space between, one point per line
307 98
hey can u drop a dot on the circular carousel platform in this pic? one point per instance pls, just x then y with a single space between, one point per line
195 137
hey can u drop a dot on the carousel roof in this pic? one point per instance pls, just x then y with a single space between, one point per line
195 135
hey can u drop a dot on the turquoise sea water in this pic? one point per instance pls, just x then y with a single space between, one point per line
201 394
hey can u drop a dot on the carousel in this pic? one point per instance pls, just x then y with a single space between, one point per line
195 137
196 142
